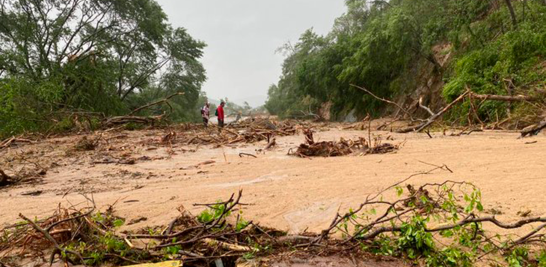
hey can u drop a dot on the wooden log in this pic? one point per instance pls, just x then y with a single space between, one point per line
517 98
533 129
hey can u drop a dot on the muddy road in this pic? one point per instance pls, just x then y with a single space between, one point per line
286 192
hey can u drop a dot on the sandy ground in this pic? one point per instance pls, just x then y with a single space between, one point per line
286 192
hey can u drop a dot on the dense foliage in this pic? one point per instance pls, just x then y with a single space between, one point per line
94 57
387 46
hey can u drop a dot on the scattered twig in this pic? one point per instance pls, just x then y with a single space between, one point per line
52 240
247 154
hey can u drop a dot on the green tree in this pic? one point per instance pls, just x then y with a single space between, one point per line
106 56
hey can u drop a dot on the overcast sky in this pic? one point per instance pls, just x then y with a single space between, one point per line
242 36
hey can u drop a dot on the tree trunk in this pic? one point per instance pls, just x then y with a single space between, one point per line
512 13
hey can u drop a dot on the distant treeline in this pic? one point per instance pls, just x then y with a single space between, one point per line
492 47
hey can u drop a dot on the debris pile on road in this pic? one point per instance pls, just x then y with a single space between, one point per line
248 131
219 233
340 148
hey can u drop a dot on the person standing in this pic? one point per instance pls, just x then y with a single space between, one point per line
205 113
220 114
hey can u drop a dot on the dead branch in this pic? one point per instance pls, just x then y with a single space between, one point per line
425 107
433 118
131 118
385 100
118 120
518 98
533 129
471 219
10 141
165 100
247 154
198 240
271 144
52 240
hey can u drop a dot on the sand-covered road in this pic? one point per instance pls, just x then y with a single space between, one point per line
287 192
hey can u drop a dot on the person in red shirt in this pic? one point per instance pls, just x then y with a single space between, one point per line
220 114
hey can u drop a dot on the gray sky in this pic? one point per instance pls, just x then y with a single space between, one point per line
242 36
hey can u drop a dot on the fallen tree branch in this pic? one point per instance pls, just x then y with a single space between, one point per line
131 118
433 118
271 144
247 154
425 107
384 100
533 129
517 98
8 142
165 100
52 240
469 220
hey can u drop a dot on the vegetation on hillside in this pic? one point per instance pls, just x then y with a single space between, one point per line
63 60
386 46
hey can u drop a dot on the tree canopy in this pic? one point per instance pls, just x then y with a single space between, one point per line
106 56
394 47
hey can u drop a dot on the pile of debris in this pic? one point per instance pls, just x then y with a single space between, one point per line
342 148
91 237
220 236
248 131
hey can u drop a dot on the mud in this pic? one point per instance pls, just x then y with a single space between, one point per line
286 192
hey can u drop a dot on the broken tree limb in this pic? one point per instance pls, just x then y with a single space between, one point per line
247 154
517 98
425 107
8 142
226 245
52 240
165 100
131 118
533 129
433 118
271 144
384 100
